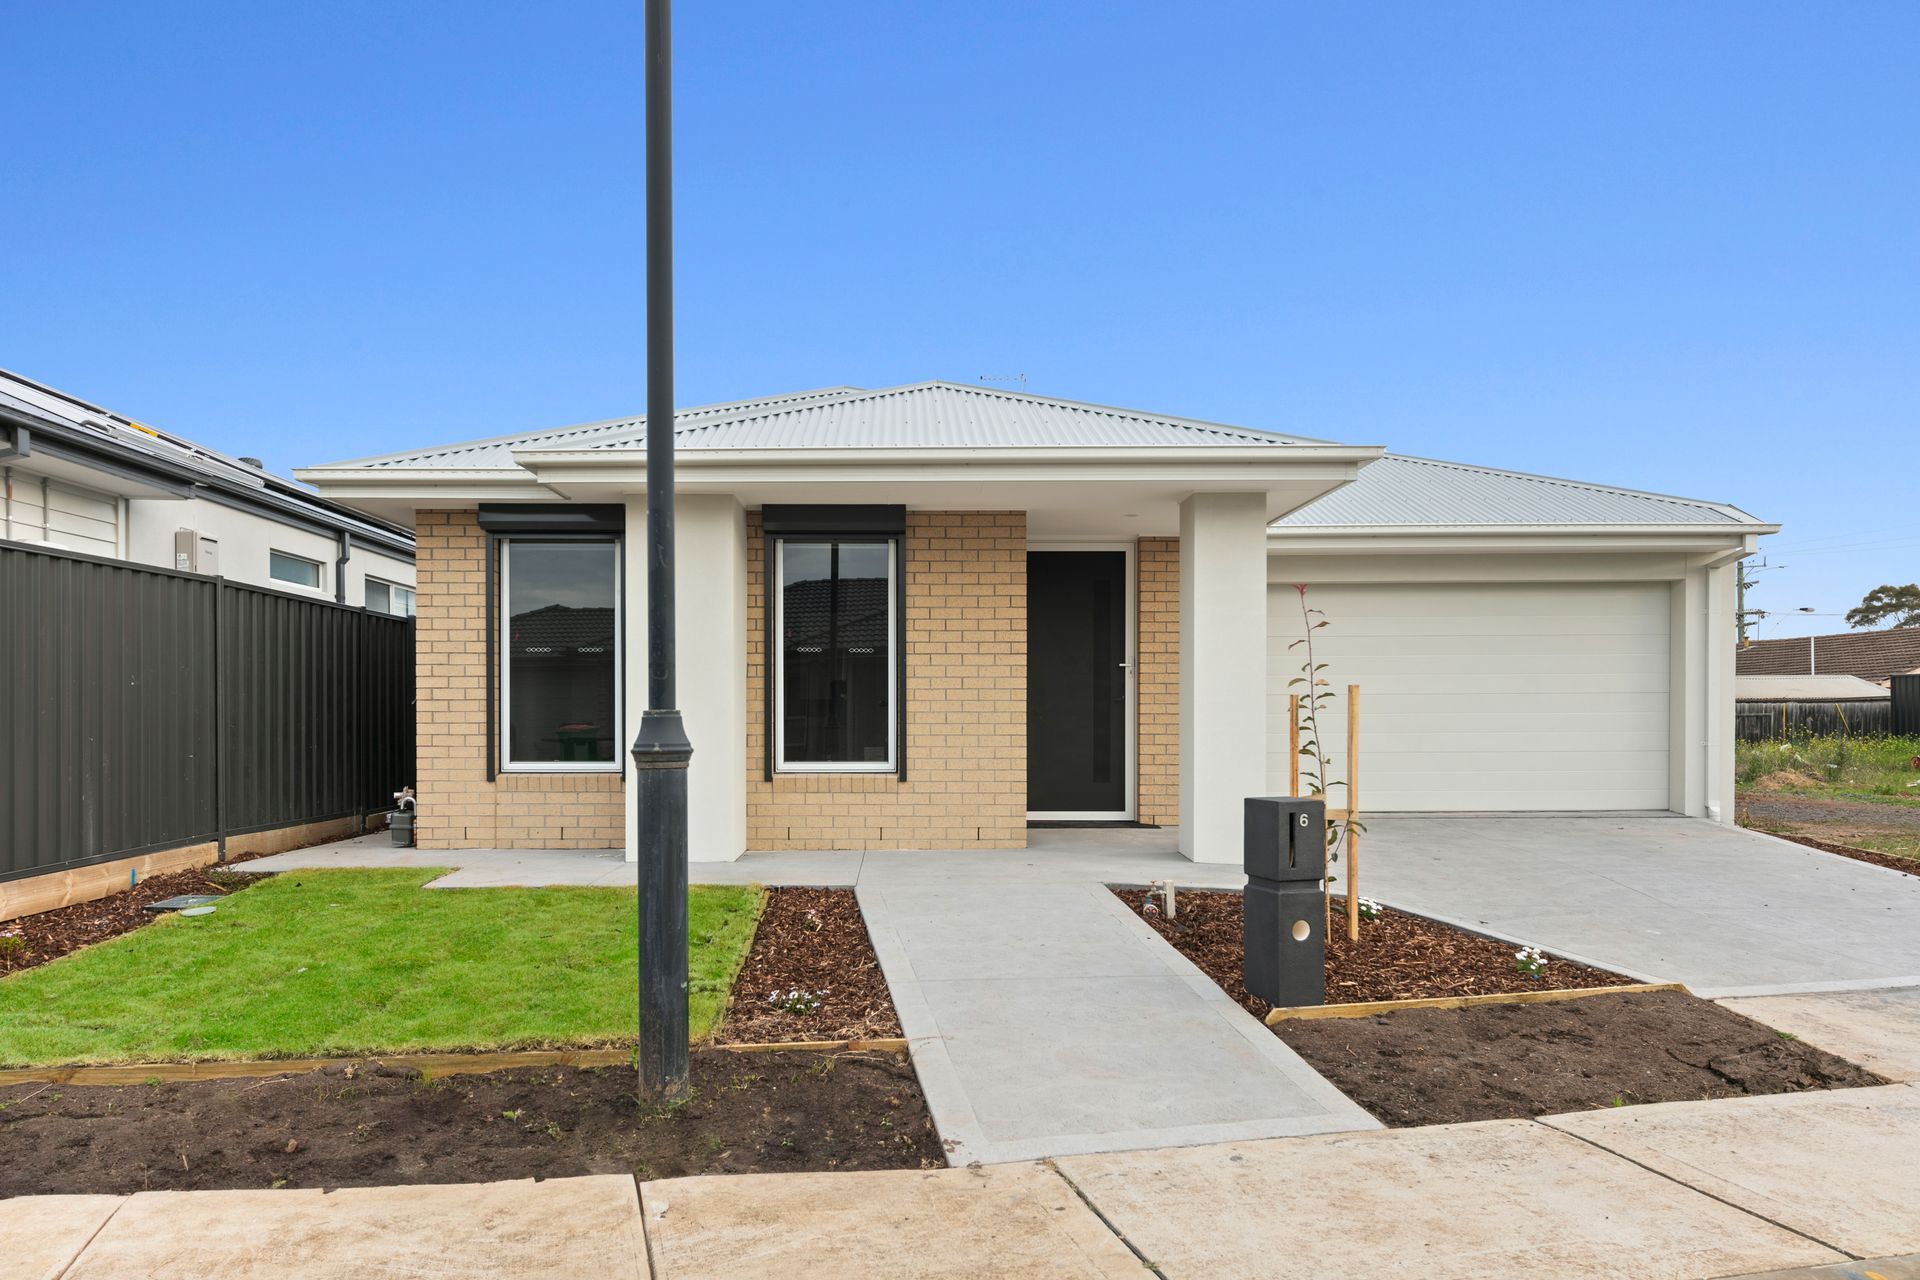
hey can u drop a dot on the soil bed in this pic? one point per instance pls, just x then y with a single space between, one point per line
52 934
1891 861
1501 1061
813 943
1437 1066
375 1126
1398 957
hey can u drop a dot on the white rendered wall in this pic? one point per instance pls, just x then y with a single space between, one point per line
1223 669
710 544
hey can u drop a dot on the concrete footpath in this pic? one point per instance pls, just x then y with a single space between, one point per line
1795 1185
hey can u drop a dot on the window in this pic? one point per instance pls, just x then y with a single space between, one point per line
298 570
389 597
837 632
560 682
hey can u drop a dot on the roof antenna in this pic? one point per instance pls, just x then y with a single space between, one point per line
1020 378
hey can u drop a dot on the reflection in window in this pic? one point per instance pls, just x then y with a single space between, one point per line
560 679
836 631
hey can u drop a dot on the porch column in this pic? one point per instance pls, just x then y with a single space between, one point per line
1223 669
710 557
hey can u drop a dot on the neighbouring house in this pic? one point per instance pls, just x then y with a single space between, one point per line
1768 706
1875 656
925 616
77 477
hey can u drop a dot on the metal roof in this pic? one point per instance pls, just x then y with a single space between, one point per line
924 415
949 415
103 434
1836 688
1403 491
1395 491
496 452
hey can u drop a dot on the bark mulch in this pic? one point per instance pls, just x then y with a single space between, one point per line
1398 957
1508 1061
812 942
52 934
1892 861
372 1125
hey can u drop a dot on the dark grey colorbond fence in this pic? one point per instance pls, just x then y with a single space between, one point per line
142 709
1906 704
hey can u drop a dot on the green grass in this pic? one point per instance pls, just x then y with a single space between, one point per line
1877 769
327 963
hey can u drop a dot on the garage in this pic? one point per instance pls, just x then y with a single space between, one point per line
1489 697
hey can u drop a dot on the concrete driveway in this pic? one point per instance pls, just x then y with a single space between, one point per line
1726 911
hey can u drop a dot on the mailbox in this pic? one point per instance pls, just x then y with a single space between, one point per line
1284 920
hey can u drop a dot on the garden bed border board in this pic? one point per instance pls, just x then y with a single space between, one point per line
1366 1008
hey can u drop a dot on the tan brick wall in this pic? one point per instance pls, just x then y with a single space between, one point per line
1157 691
459 808
966 651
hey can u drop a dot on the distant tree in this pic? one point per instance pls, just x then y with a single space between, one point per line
1896 606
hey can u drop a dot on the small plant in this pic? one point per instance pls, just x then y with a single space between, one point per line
798 1001
1369 909
811 923
12 947
1531 961
510 1115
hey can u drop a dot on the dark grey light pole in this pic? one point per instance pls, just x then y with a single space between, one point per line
661 749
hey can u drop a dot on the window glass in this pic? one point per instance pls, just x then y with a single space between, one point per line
378 598
561 698
389 597
285 568
836 632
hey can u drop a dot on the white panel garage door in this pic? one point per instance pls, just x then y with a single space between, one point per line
1488 697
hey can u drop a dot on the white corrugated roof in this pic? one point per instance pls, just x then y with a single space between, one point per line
496 452
1805 689
1395 491
948 415
1403 491
923 415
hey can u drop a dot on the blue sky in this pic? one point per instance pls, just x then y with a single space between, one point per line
1673 247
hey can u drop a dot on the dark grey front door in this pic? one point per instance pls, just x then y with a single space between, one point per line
1077 667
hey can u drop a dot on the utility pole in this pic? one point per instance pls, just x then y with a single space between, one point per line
1744 617
661 749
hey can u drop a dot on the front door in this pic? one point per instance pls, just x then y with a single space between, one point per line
1077 669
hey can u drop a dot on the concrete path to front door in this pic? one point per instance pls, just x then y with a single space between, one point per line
1726 911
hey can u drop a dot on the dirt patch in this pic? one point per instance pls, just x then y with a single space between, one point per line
1783 780
1761 809
377 1126
1398 957
1438 1066
811 952
52 934
1892 861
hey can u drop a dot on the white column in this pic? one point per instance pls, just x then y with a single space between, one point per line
1223 669
1721 636
710 560
1686 681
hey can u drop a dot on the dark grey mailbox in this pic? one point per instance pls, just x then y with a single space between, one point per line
1284 922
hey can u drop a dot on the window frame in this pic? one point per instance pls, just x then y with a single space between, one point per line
319 582
503 646
775 608
413 597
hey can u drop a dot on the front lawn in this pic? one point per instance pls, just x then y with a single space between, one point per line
332 963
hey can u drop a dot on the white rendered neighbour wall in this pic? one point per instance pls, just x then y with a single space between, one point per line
1223 669
710 545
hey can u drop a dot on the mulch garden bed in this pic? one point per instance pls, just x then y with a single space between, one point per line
373 1125
52 934
1398 957
811 974
1891 861
1499 1061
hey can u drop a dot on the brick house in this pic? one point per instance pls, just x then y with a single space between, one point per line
993 608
